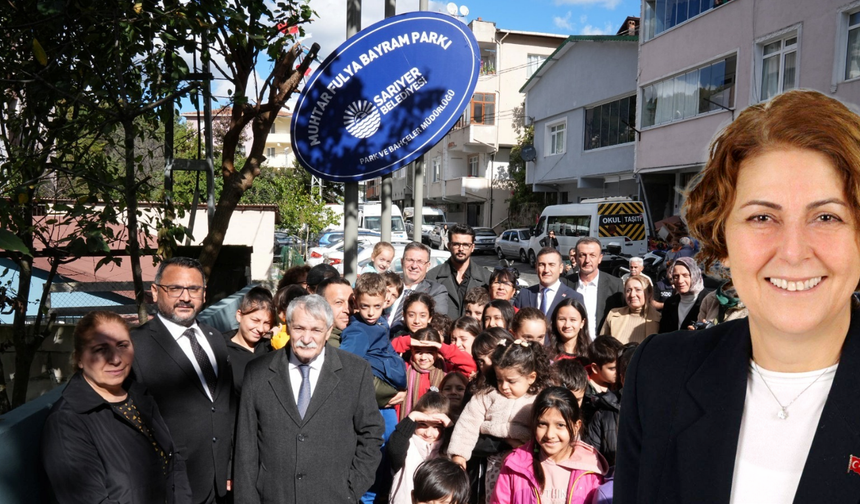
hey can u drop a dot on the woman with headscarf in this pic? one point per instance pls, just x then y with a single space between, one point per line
682 308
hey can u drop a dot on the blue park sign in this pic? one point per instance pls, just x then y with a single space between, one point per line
385 97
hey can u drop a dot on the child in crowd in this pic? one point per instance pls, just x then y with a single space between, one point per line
256 317
367 336
555 467
394 286
442 323
440 481
419 437
569 336
419 308
502 408
602 354
602 432
380 258
453 387
498 313
605 492
475 301
423 369
571 374
282 300
529 324
482 353
463 332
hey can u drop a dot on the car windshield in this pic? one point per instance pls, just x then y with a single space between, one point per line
524 235
374 224
484 232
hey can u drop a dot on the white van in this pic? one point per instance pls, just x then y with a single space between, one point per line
429 217
369 217
610 220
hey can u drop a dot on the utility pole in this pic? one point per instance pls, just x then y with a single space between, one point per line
418 184
385 196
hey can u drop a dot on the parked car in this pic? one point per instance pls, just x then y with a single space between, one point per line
318 255
437 257
435 235
335 256
514 243
485 240
332 236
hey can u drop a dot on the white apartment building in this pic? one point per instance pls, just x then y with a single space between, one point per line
278 152
463 171
582 103
703 61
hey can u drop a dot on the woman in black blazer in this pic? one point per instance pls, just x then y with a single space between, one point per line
763 409
689 289
104 440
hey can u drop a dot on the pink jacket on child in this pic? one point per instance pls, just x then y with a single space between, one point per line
517 484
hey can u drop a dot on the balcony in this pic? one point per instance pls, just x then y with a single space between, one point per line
472 138
459 190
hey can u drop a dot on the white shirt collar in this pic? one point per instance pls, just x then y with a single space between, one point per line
553 287
177 330
315 363
593 282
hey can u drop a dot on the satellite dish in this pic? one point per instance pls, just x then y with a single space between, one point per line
528 153
464 11
451 8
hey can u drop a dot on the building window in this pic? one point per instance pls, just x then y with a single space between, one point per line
556 138
534 62
660 15
852 55
473 166
488 61
778 66
705 89
611 123
483 108
437 169
272 129
270 152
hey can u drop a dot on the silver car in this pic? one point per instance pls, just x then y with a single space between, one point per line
514 243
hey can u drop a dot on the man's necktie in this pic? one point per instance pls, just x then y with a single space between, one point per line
544 305
304 390
398 315
203 361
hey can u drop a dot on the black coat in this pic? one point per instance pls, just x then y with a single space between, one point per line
93 454
202 429
681 413
602 430
669 314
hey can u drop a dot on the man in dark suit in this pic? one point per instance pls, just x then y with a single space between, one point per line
309 429
601 291
184 366
550 291
459 274
415 262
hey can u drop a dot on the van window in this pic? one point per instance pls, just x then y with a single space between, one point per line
541 226
570 225
433 219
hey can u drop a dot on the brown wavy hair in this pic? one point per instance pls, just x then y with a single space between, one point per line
796 119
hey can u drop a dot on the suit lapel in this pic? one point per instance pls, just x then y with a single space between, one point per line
163 337
707 436
281 386
825 476
602 280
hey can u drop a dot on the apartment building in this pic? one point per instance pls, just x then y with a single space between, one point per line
701 62
582 103
465 172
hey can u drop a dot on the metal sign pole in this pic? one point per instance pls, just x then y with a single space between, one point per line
350 197
418 183
385 196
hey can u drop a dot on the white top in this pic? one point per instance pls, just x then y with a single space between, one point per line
296 375
589 292
551 291
176 331
771 451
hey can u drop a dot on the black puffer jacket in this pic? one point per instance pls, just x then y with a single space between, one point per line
602 431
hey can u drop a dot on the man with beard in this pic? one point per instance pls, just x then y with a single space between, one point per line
185 368
458 274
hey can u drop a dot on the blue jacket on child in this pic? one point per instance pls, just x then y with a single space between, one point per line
371 343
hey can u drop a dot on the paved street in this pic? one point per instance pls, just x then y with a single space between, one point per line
527 273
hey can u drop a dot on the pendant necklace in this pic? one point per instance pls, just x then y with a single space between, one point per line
782 414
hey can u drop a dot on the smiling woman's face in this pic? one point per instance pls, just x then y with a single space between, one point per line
792 243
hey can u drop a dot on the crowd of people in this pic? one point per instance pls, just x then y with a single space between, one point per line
365 381
455 385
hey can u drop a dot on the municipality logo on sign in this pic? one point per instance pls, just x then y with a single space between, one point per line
385 96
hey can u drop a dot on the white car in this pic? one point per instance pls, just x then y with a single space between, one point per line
320 255
335 258
437 257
